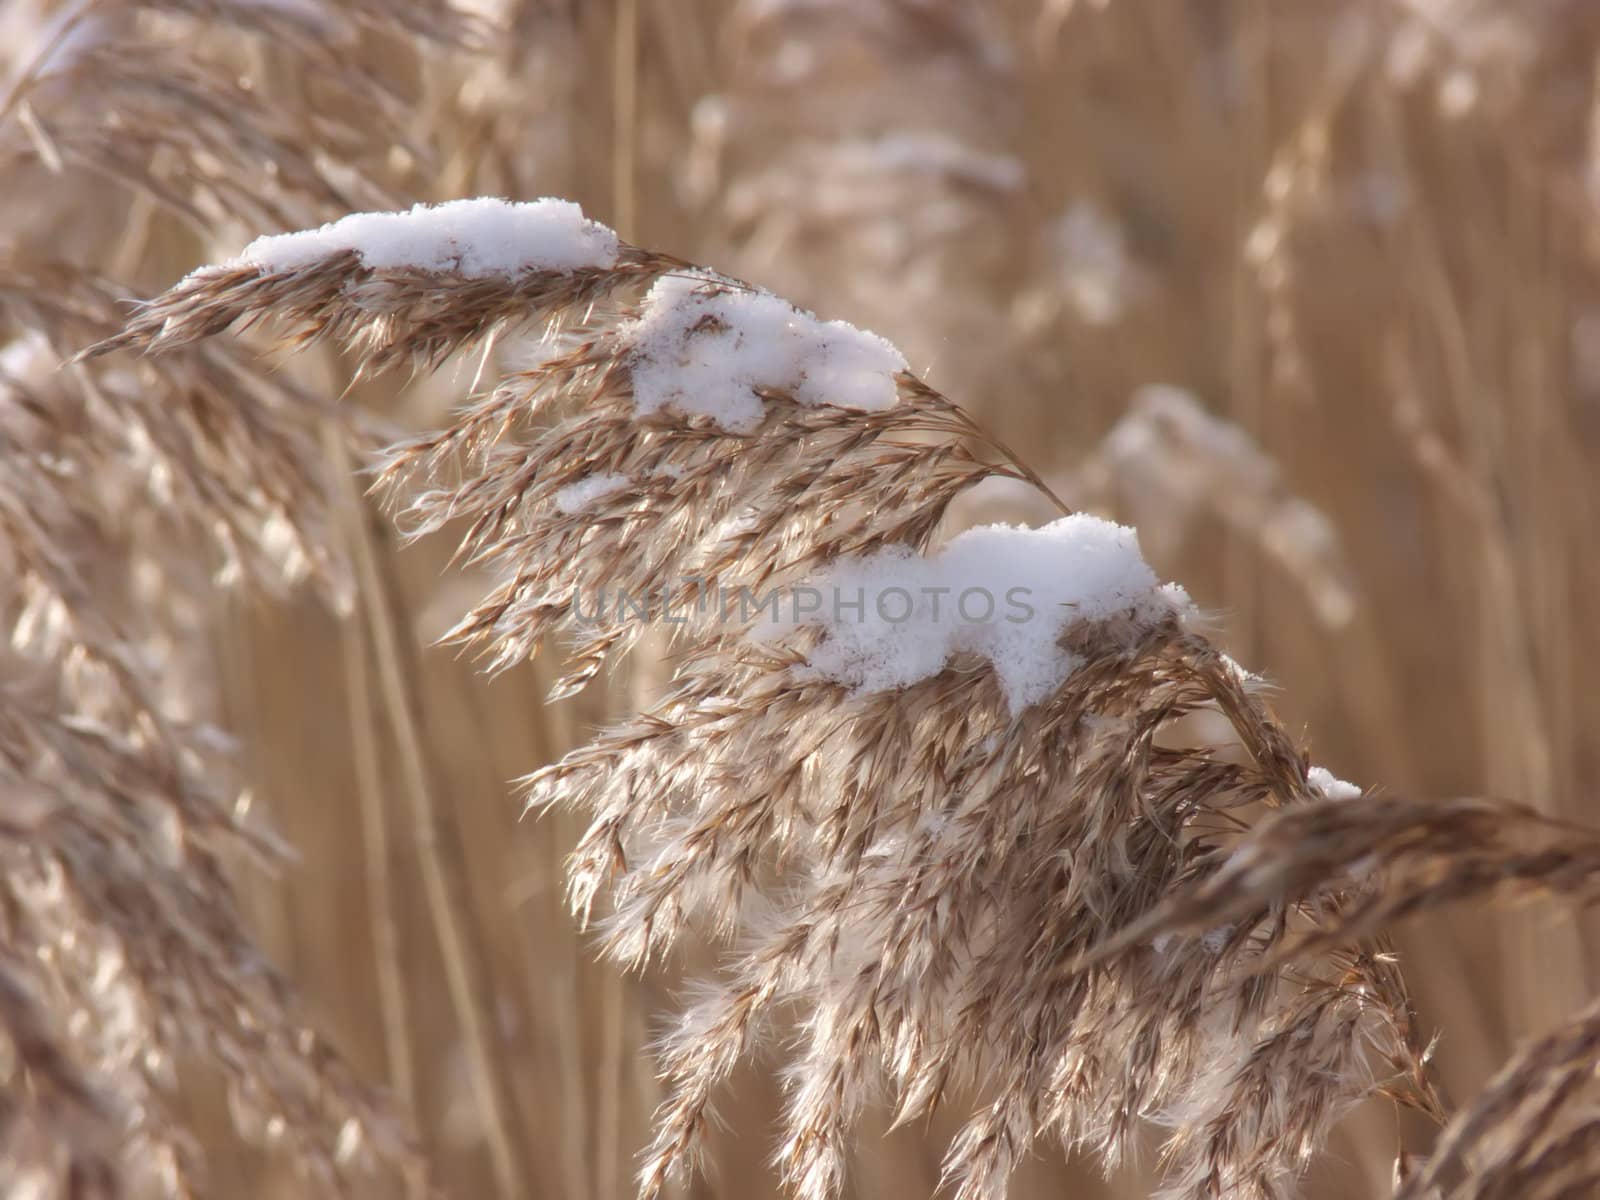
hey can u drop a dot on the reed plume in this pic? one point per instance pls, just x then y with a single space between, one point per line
131 975
997 874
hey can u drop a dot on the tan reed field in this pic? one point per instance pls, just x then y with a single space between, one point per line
493 704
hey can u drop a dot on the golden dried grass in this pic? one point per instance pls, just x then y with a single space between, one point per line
1361 232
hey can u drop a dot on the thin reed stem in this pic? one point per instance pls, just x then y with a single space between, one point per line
380 851
625 116
444 870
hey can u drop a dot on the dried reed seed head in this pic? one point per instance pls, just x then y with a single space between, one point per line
120 915
125 955
117 903
166 440
151 99
390 316
1530 1132
59 1094
1053 910
1358 864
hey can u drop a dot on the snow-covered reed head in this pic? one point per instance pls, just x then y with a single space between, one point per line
935 796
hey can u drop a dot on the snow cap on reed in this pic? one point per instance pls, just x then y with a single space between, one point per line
1004 592
705 344
477 238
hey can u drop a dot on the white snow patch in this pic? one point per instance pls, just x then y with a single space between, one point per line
706 345
476 238
1005 592
576 497
1239 671
1333 788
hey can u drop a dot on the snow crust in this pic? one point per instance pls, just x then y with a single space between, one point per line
1333 788
477 238
1005 592
576 497
707 345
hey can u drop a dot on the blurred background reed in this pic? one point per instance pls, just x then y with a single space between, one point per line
1308 290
